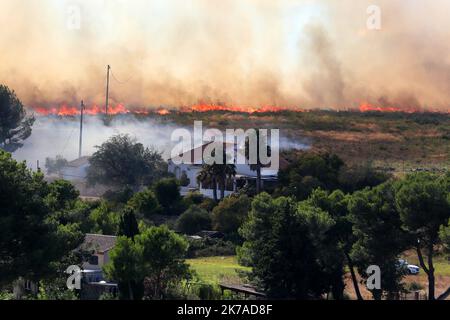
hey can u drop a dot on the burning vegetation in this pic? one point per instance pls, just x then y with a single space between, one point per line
119 109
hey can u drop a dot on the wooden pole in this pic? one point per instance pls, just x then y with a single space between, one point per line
81 129
107 89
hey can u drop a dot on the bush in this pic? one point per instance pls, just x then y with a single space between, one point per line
108 296
119 196
184 180
193 220
196 198
208 204
359 177
6 295
210 248
208 292
230 214
193 198
243 256
145 203
167 192
104 221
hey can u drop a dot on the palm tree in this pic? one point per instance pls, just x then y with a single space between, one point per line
224 172
258 165
207 176
217 172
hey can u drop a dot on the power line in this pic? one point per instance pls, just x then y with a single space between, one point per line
122 82
67 141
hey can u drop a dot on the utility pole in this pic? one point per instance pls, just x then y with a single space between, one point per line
81 128
107 89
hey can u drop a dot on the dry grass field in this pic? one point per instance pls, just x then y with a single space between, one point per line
398 142
442 273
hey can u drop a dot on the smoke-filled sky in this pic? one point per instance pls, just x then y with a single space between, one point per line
290 53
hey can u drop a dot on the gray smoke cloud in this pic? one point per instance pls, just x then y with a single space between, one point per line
291 53
55 136
59 136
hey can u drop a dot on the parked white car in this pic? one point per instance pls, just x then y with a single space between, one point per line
410 268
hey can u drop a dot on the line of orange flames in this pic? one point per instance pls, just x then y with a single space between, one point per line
66 110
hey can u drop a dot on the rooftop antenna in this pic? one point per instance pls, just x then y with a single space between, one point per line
82 108
107 89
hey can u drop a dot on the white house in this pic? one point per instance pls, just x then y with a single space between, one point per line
244 174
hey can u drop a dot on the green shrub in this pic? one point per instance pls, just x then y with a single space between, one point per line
103 220
193 198
230 214
145 203
119 196
208 292
193 220
184 180
208 204
167 192
210 248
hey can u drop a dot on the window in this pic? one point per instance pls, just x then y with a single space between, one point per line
93 260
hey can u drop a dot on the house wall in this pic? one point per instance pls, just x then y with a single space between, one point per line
190 170
105 258
244 169
210 193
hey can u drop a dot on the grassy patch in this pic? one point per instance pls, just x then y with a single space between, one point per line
441 264
217 269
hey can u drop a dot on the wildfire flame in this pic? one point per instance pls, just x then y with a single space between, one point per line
367 107
66 110
243 109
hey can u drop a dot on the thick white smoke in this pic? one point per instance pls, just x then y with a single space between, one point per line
59 136
290 53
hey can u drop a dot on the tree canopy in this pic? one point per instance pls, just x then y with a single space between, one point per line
122 161
155 257
280 249
15 125
423 202
145 203
32 237
380 238
308 172
167 192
